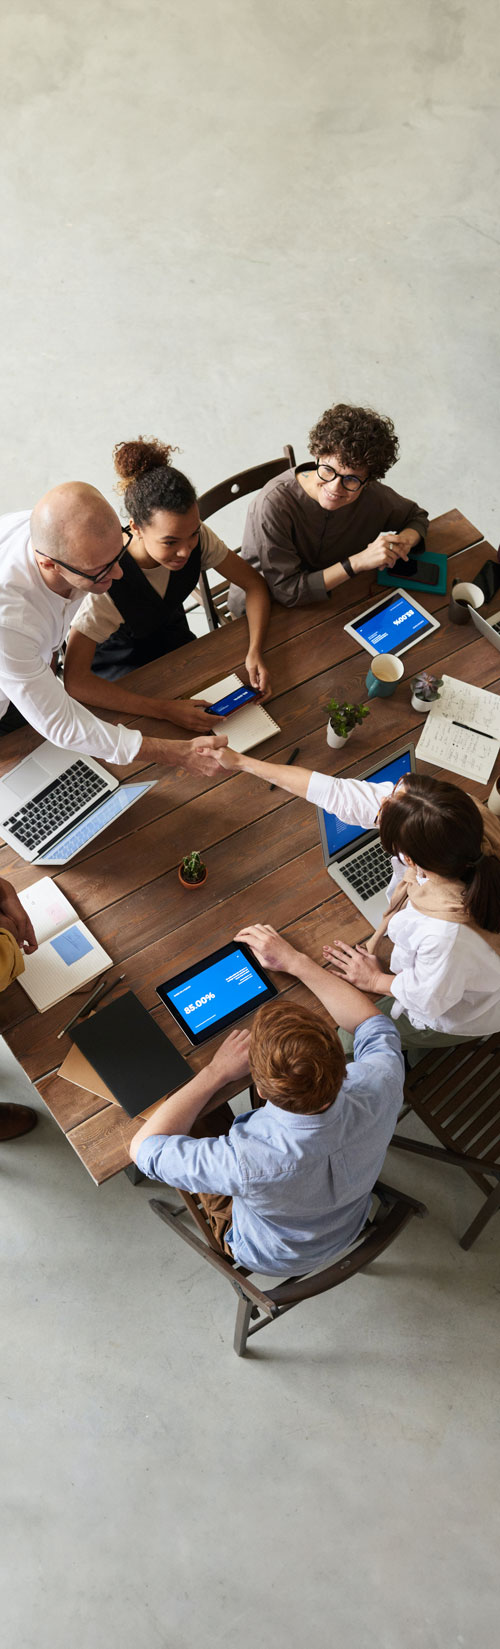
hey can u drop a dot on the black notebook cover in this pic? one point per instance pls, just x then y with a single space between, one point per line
129 1051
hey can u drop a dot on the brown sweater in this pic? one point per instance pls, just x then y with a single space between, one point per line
291 539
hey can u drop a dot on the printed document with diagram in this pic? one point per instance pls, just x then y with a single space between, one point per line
246 727
462 731
67 957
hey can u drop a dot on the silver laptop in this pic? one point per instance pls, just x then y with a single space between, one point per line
353 856
488 627
46 795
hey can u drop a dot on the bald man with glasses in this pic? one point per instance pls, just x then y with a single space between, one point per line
71 543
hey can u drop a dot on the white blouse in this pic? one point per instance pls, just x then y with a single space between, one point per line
447 976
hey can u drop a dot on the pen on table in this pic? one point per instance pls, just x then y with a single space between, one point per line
473 730
101 991
288 763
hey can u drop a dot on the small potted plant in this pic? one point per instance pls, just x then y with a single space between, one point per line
425 691
192 872
342 719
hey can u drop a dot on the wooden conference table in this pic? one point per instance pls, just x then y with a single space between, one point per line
261 847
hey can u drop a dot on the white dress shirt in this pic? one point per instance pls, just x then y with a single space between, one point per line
447 976
34 622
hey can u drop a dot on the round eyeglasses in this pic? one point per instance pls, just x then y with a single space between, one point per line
96 578
326 472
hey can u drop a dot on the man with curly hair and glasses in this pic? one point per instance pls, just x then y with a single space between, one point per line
313 527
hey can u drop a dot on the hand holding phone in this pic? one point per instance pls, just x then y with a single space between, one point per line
233 701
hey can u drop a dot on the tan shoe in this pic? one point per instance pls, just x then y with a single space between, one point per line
16 1120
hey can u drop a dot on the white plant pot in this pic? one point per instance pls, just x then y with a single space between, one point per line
423 705
334 739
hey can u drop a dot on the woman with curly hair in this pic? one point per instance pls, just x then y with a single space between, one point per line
143 617
316 526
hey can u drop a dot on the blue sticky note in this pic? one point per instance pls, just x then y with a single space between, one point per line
71 946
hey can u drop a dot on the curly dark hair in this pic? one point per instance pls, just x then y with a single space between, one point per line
149 481
358 436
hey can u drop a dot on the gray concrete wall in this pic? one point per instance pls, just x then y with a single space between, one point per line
220 218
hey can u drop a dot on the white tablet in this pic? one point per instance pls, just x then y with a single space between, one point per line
392 625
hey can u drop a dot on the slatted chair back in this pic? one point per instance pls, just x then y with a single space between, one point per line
258 1307
456 1092
214 598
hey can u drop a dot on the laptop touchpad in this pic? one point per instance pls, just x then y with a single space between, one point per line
27 779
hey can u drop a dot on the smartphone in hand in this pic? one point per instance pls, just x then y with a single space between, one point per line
233 701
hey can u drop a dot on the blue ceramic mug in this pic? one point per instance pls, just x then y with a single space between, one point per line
383 676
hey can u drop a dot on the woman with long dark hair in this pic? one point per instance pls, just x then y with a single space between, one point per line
142 617
442 983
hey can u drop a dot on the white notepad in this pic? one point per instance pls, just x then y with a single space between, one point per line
462 731
246 727
67 957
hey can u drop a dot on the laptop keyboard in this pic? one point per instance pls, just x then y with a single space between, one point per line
50 809
370 873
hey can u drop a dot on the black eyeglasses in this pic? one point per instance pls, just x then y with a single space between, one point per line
95 578
326 472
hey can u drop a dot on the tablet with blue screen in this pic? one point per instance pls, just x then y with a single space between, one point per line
216 992
392 625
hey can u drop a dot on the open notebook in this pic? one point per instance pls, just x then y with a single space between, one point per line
67 956
246 727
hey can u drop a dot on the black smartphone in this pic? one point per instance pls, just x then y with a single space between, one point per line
488 579
425 572
233 701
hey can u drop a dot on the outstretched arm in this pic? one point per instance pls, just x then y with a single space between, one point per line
258 608
347 1006
88 688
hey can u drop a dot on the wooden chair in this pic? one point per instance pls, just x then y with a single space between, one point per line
226 492
456 1092
258 1307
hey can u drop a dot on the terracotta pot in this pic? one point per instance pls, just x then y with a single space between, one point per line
190 885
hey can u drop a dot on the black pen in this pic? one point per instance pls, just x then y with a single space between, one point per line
100 991
467 729
288 763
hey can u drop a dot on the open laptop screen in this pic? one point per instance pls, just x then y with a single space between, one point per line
339 835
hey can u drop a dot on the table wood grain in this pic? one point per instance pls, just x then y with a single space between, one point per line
261 847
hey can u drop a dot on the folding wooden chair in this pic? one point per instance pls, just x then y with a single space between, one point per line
456 1092
214 598
258 1307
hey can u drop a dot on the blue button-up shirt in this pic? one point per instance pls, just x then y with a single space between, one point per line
300 1184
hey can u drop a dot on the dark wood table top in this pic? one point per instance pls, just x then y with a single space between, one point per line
261 848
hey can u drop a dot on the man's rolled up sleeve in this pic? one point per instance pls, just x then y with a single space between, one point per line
192 1164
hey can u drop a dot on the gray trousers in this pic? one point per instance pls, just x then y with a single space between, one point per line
414 1043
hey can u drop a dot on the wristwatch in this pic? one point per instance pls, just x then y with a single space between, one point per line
348 568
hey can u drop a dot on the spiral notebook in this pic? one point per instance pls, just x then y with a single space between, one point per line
246 727
68 956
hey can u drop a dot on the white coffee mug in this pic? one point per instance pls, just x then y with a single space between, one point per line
493 801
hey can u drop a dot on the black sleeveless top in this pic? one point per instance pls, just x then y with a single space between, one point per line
151 624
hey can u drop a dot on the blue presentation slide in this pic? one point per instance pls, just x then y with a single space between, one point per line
339 835
387 630
216 991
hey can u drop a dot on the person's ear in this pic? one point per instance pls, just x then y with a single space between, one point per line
410 862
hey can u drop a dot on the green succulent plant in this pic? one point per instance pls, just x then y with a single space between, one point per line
344 717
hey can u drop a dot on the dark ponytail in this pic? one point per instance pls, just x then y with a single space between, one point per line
149 481
440 828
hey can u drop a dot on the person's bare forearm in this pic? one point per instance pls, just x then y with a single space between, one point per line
114 695
347 1006
177 1114
293 779
258 608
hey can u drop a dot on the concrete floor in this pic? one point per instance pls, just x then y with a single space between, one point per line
217 222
